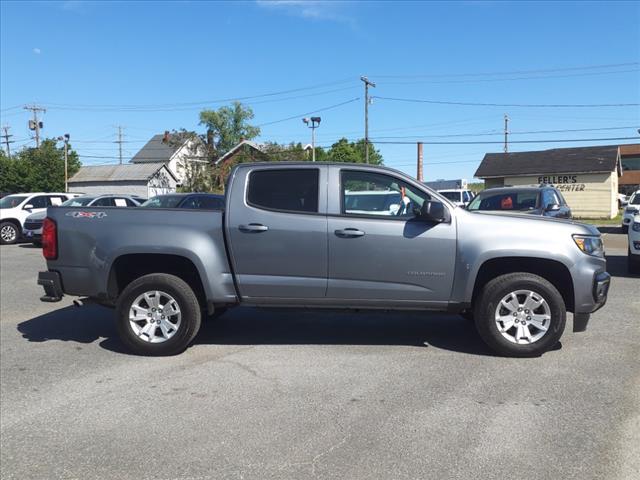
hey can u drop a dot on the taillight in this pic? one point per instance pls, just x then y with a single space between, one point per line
49 239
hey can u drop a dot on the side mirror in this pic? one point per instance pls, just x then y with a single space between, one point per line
552 207
434 212
28 206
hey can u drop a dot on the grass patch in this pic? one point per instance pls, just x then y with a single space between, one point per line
601 221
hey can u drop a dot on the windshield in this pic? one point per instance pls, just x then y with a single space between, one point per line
77 202
510 201
635 200
12 201
163 201
453 196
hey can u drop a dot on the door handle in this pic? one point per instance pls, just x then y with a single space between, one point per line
253 228
349 233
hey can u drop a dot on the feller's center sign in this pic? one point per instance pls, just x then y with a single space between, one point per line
564 183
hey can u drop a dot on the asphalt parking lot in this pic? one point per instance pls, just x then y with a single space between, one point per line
293 395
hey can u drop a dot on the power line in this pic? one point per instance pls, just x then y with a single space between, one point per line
496 132
508 79
309 113
202 102
520 105
513 72
399 142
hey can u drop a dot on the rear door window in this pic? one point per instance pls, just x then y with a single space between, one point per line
290 190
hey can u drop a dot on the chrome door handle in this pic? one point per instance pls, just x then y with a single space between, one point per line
349 233
253 228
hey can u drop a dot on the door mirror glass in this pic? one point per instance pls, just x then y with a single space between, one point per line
552 207
434 212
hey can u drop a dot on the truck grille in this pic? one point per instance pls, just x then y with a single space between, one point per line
33 225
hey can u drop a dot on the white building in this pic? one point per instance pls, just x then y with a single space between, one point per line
145 180
177 153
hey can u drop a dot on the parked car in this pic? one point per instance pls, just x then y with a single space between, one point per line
543 200
633 257
33 224
630 211
287 239
14 210
458 197
623 200
373 202
198 201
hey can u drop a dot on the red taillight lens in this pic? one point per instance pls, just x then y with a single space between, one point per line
49 239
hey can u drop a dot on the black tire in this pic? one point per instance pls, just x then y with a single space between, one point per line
184 297
625 228
9 233
491 295
633 262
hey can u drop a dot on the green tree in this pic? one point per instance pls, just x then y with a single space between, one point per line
37 169
228 126
353 152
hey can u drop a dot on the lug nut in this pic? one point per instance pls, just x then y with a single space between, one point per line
528 318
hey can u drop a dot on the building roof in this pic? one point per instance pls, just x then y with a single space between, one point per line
630 149
235 149
557 160
119 173
157 150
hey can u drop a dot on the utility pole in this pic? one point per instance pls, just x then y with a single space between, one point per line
315 123
506 133
420 176
35 124
367 83
6 137
119 142
65 139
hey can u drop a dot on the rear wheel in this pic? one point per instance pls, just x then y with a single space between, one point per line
9 233
520 315
158 314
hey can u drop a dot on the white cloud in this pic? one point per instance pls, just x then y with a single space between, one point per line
37 51
310 9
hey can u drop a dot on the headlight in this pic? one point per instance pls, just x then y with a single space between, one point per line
636 227
590 245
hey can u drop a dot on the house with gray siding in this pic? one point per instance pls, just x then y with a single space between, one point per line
144 179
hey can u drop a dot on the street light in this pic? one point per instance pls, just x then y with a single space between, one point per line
65 139
315 123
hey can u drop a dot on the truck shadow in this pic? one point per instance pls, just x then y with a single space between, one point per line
251 326
617 266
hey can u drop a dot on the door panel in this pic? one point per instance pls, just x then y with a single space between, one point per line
386 254
278 252
393 260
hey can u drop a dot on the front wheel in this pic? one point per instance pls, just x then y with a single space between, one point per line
520 315
9 233
157 314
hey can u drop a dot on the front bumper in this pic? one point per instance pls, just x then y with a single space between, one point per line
599 292
52 285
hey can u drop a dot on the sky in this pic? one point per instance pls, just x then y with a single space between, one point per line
153 66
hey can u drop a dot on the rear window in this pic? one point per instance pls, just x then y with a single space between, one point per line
163 201
514 201
453 196
290 190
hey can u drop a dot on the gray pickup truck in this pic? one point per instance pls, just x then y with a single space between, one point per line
322 236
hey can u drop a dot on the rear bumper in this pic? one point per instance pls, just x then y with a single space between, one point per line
52 285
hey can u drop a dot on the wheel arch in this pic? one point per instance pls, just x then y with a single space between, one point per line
553 271
130 266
